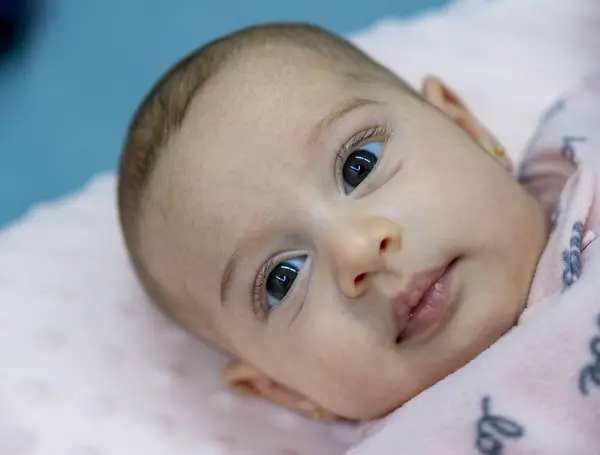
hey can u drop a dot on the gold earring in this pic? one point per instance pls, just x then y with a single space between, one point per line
499 151
318 413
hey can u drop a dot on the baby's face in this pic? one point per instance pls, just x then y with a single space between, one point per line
312 214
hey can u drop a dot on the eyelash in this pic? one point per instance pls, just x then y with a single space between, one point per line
382 131
259 285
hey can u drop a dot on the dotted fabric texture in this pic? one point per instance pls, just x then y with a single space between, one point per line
89 367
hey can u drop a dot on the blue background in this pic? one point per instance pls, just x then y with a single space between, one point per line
67 93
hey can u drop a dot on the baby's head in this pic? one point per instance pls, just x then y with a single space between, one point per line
346 240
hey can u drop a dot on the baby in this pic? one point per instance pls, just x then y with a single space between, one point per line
347 241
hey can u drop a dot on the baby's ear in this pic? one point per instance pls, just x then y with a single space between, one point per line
246 379
439 95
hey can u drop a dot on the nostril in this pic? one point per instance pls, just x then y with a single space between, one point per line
384 245
359 279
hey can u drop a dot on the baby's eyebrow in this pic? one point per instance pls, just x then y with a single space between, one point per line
344 109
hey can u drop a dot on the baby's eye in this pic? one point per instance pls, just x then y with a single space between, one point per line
359 164
281 279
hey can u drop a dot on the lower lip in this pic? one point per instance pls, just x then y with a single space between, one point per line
431 308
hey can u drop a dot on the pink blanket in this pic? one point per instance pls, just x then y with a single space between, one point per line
537 390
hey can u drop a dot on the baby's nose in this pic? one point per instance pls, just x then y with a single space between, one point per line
359 246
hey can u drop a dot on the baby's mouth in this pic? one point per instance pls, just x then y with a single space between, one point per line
424 302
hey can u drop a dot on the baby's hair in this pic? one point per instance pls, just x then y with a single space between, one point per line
162 112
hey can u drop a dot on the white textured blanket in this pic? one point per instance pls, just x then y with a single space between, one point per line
89 367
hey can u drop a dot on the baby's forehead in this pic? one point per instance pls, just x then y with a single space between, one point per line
279 79
270 84
257 105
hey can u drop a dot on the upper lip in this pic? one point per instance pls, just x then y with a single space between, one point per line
409 298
